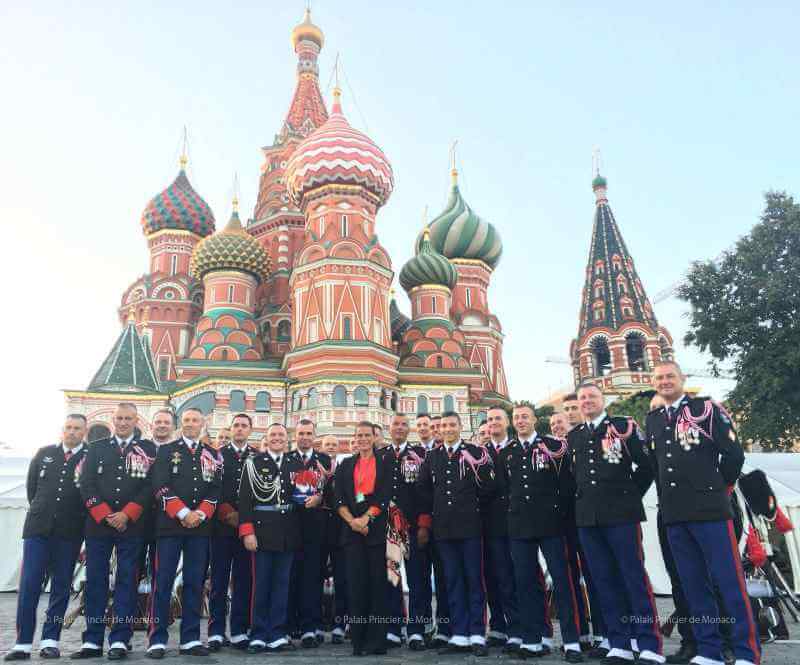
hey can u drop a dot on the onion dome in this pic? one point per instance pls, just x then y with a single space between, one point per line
178 207
428 267
459 233
337 154
233 248
399 321
599 181
307 31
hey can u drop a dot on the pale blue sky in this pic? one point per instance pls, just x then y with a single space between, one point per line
695 109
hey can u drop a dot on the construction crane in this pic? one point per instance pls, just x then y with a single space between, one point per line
672 289
689 372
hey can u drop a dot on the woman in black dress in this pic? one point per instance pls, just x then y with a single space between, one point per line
363 490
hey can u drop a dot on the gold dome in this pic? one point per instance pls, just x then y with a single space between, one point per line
307 30
233 248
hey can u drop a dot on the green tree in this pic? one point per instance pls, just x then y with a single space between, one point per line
636 406
745 311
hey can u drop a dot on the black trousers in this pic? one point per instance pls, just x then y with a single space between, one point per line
682 614
366 585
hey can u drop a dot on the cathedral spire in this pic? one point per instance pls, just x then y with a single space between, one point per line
618 330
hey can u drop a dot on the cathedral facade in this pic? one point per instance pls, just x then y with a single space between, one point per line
291 313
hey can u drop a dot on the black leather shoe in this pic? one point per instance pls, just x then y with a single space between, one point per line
615 660
598 653
682 656
309 642
416 645
527 654
241 646
256 648
49 652
480 650
495 642
511 647
214 646
197 650
17 655
337 639
454 650
391 644
80 654
546 650
117 653
281 648
571 656
157 653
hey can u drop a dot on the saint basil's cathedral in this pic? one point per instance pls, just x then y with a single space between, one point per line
291 315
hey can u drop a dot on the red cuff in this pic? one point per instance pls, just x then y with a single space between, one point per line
207 508
246 529
424 521
224 510
132 510
100 512
730 489
174 506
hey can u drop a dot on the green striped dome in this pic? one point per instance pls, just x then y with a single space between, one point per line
427 267
458 233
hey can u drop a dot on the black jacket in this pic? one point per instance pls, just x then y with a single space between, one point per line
232 465
185 480
114 480
314 520
494 508
451 491
277 529
405 471
56 506
333 523
609 489
344 485
539 486
694 469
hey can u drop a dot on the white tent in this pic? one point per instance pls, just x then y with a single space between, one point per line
783 472
13 507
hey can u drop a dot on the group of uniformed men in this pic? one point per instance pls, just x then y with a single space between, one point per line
478 516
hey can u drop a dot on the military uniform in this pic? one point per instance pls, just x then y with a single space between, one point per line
116 477
334 553
608 512
268 512
51 541
498 566
187 476
536 476
697 457
405 463
305 598
453 483
230 562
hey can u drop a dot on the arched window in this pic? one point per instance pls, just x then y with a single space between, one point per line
347 327
385 398
345 227
393 403
223 355
230 292
262 401
313 398
237 401
284 331
97 432
601 355
449 403
361 396
173 264
665 348
634 348
433 304
266 331
295 401
439 362
468 295
422 404
339 396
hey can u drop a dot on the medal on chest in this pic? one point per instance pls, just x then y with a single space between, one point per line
540 460
176 459
688 436
409 467
612 449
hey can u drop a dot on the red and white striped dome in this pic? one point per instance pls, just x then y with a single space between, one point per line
337 154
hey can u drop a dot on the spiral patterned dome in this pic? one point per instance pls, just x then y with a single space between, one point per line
459 233
427 267
178 207
233 248
337 154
